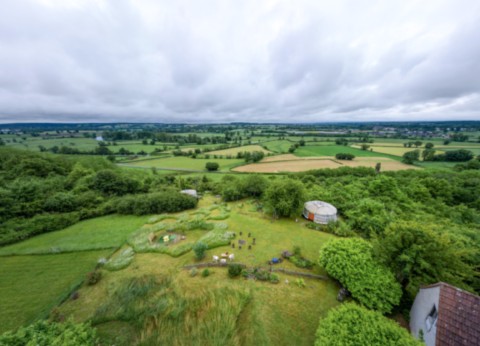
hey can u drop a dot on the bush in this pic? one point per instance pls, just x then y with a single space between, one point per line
344 156
205 273
212 166
301 262
43 333
93 278
351 262
193 272
350 324
234 270
199 248
300 283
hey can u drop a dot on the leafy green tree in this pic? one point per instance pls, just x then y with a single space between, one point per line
112 183
428 154
419 254
418 143
254 185
285 197
199 249
350 324
44 333
212 166
429 145
368 217
351 262
411 156
365 146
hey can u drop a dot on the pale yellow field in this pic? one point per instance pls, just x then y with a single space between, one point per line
393 150
234 151
305 164
291 157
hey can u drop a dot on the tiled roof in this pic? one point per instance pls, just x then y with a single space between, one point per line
458 317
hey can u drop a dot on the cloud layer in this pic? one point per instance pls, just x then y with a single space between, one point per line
222 61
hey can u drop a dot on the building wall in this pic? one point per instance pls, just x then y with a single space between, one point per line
324 219
424 301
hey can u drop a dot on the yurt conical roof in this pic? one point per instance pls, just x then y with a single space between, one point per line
320 208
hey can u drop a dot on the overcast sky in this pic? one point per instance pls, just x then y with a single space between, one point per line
239 60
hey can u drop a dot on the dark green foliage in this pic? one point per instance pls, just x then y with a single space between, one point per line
285 197
460 155
234 270
429 145
254 185
350 324
169 201
93 277
44 333
212 166
422 254
205 273
344 156
110 182
351 262
411 156
199 249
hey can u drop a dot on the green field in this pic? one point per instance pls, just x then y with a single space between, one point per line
332 150
236 311
104 232
33 143
30 286
277 146
186 163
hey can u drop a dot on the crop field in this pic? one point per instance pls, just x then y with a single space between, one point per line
186 163
251 311
278 146
332 150
32 285
234 151
100 233
308 163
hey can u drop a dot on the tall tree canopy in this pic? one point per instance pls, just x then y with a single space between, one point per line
351 262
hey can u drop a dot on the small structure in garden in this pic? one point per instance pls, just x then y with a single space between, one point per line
320 212
190 192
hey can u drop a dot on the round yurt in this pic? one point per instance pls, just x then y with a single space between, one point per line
320 212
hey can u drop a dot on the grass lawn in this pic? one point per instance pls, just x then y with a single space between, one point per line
32 143
187 163
30 286
245 312
99 233
331 150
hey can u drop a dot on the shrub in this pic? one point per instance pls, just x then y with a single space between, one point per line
351 262
205 273
212 166
301 262
300 283
44 333
93 278
193 272
199 248
121 261
234 270
344 156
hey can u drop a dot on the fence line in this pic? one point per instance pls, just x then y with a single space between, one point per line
271 268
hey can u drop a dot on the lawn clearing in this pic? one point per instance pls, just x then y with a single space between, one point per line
278 146
234 151
186 163
100 233
246 312
30 286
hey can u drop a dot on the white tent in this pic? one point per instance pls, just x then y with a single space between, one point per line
320 212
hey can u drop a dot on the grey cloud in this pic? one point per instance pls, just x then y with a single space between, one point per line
214 61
